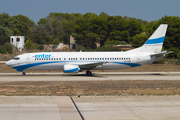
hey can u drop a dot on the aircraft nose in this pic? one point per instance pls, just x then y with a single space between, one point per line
8 63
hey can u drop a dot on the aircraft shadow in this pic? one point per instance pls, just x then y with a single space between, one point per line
94 75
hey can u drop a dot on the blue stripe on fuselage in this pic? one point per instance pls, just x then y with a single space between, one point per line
129 64
155 41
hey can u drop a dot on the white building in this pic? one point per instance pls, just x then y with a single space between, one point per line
17 42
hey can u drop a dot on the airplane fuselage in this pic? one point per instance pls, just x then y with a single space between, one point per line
57 60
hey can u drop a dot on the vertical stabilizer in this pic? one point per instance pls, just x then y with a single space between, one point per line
155 42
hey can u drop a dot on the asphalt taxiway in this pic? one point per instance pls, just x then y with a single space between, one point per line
91 108
96 76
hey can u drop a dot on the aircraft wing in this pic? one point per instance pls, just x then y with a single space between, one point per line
90 65
161 53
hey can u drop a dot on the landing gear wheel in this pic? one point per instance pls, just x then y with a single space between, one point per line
88 73
23 74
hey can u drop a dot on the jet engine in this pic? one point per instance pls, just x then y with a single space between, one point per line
71 68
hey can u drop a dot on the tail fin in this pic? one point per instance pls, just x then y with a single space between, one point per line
155 42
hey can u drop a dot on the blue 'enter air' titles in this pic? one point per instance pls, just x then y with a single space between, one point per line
42 56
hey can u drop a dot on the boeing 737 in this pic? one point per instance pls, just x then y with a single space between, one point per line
78 61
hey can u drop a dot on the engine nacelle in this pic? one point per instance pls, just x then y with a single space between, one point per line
71 68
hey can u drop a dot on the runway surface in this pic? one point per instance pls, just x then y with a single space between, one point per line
95 77
91 108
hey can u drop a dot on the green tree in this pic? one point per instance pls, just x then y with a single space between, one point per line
134 27
2 49
29 45
79 48
41 47
42 21
108 47
65 38
55 41
8 47
172 38
139 40
19 24
5 34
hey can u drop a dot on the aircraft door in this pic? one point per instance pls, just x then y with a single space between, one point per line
28 59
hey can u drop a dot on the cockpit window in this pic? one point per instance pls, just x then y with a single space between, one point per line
16 58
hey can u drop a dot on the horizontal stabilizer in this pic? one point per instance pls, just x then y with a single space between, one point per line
161 53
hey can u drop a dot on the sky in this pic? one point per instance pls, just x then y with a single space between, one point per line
142 9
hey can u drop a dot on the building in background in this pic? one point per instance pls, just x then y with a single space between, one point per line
124 47
17 42
73 44
60 46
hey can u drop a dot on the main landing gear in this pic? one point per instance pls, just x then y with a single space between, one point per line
23 73
88 73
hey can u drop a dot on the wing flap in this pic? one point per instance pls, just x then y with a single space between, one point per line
91 65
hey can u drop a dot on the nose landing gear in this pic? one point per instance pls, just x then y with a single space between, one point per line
23 73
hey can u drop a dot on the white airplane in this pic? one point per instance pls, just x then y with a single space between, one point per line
78 61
